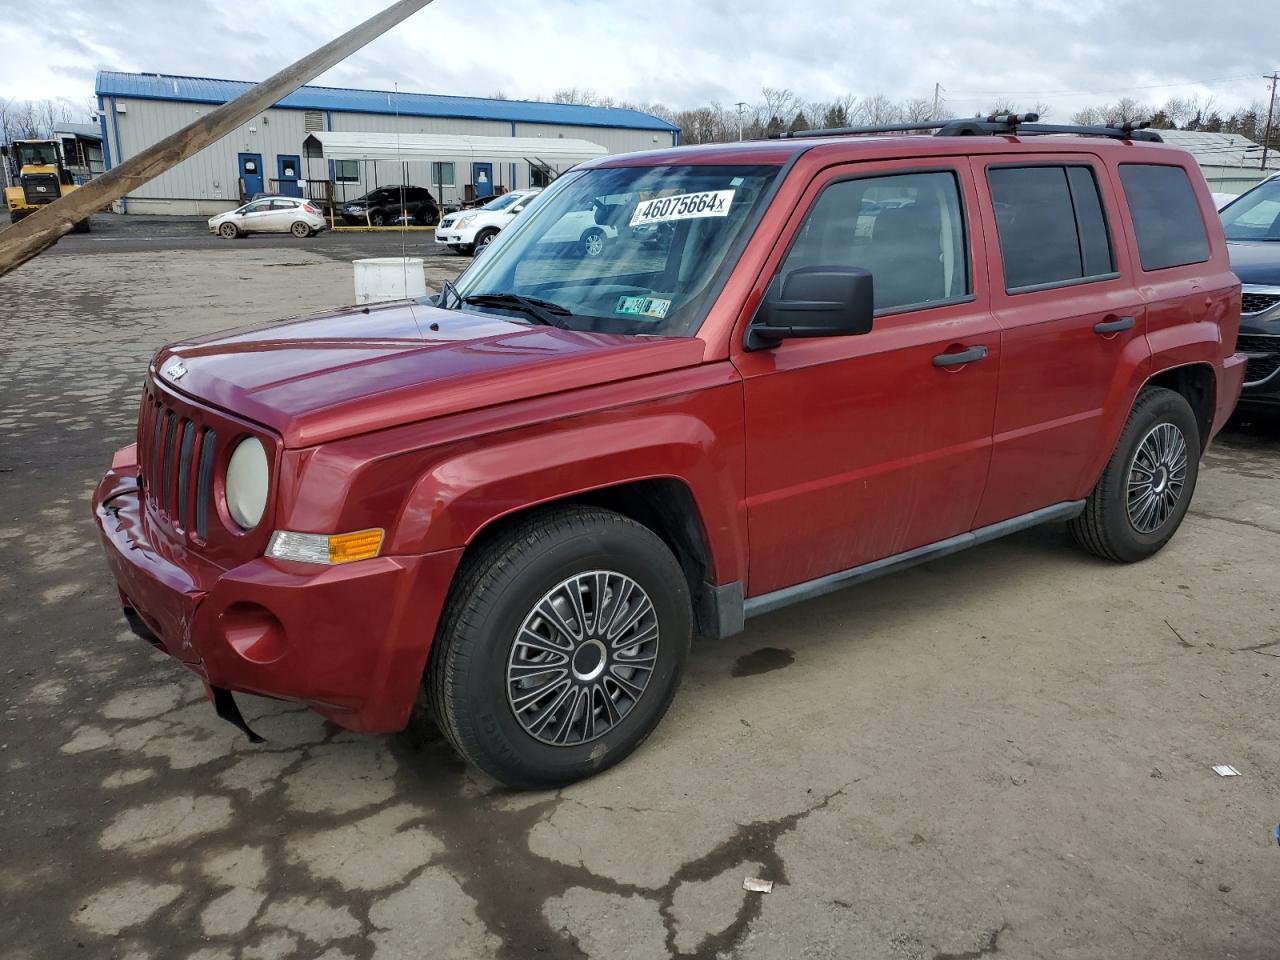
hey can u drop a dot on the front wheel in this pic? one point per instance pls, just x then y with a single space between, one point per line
377 218
228 231
1147 485
561 647
483 239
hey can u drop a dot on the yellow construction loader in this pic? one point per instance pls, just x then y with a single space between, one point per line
39 177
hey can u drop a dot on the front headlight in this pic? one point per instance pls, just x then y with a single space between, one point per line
462 222
248 474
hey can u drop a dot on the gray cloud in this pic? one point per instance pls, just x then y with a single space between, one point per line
1067 53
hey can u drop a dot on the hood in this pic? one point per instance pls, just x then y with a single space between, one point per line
359 369
1256 261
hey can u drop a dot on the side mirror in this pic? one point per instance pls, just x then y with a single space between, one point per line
814 302
608 214
517 208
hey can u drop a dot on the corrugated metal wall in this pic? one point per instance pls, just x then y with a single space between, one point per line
209 182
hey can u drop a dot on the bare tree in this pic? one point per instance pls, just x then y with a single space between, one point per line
917 110
878 109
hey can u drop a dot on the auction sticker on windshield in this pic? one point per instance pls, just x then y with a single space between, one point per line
709 203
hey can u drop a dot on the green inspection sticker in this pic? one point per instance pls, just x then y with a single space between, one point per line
655 307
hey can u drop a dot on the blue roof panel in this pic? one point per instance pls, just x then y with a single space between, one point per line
154 86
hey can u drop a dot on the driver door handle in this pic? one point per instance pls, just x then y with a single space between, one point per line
971 355
1114 325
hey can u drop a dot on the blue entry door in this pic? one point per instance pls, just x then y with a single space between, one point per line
251 173
287 170
482 179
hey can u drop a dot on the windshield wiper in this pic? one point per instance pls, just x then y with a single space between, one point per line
448 290
544 311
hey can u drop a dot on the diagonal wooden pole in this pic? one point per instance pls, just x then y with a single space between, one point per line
42 229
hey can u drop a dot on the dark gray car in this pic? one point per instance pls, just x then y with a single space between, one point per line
1252 225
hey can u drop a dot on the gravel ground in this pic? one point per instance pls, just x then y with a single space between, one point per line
1006 752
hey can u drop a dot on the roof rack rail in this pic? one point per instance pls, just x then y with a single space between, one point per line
1007 124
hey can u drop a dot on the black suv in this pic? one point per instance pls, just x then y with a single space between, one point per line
1252 225
383 206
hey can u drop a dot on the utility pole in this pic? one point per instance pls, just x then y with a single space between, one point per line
937 100
1271 109
39 230
741 105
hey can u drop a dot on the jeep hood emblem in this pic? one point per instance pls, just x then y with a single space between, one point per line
176 370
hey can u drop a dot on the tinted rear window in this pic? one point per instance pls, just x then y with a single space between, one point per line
1051 225
1166 215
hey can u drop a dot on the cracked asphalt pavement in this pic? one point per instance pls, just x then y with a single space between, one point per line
1003 753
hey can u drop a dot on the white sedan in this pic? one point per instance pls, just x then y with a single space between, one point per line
269 215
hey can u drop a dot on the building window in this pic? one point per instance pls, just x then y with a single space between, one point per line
441 174
346 171
540 175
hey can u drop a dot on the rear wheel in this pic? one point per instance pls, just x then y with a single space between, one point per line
592 242
1147 485
300 230
228 231
561 647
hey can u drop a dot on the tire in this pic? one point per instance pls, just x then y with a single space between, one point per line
228 231
82 226
377 218
497 598
301 230
430 217
592 242
1160 425
483 239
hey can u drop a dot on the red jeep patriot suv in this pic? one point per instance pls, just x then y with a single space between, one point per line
798 364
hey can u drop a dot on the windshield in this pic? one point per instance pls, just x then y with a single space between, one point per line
1256 215
626 249
504 201
33 154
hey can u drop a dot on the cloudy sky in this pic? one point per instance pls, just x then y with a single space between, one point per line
1066 53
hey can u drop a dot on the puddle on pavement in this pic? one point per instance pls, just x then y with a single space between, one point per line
762 661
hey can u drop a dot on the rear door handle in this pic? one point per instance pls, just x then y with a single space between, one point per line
971 355
1114 326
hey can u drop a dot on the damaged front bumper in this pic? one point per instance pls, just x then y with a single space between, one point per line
351 641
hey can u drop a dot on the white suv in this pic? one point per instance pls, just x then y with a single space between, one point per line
469 230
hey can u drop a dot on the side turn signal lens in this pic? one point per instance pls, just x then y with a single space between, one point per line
325 548
361 545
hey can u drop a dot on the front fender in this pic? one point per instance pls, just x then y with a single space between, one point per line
699 445
443 481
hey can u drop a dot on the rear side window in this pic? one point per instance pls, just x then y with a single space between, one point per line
1051 225
1166 215
907 229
